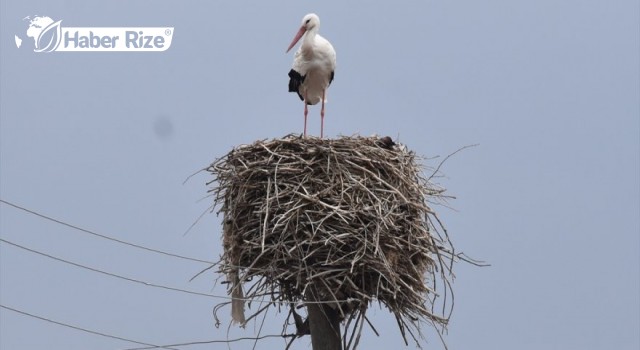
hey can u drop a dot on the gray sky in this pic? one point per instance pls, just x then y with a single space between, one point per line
551 197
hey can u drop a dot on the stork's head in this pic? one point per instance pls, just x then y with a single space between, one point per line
309 22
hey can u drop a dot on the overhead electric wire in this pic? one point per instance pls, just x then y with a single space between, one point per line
149 284
101 235
146 345
112 274
149 345
218 341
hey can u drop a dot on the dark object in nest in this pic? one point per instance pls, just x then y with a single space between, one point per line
347 220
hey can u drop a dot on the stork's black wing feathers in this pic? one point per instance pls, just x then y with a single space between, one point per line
295 80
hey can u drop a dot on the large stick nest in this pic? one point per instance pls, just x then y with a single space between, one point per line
342 221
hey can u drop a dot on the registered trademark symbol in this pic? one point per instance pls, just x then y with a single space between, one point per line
167 32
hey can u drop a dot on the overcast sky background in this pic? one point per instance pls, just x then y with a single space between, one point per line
550 197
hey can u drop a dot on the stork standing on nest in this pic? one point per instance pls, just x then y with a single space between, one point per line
313 66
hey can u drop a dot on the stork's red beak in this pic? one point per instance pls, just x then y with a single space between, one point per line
297 37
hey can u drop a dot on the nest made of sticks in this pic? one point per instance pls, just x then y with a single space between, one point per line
344 221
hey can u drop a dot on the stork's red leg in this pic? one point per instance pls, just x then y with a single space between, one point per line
322 116
306 111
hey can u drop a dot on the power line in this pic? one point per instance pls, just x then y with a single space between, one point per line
150 346
101 235
112 274
219 341
149 284
146 345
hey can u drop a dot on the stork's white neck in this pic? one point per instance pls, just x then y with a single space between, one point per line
309 38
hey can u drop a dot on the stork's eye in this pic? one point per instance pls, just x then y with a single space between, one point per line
307 21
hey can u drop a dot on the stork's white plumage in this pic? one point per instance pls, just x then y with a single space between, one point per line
313 66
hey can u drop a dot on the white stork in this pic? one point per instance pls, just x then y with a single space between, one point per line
313 66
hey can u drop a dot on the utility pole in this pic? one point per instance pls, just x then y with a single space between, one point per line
324 324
